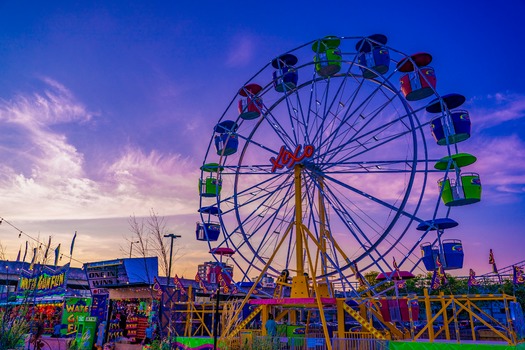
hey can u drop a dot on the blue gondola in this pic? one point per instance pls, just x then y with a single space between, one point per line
226 140
452 126
285 77
209 230
373 57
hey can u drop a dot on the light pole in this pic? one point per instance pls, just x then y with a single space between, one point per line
131 247
172 236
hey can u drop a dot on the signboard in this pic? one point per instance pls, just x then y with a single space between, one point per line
121 272
44 282
74 308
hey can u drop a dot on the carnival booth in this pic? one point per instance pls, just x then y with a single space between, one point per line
124 285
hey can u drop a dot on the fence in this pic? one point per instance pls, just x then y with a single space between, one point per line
355 342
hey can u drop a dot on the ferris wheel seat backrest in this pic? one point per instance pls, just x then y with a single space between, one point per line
250 105
210 186
453 253
419 81
328 63
286 76
463 192
375 62
328 56
450 129
429 255
419 84
285 79
208 231
226 144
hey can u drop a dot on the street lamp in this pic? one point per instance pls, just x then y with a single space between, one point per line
172 236
131 247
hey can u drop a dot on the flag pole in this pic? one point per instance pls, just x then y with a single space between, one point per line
72 246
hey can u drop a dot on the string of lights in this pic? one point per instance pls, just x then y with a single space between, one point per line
37 241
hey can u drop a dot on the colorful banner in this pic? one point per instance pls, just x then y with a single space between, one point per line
44 282
472 281
198 279
518 277
73 309
178 285
439 279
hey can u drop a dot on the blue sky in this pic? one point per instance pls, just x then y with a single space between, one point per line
107 109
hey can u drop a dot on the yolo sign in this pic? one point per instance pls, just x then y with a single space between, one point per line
288 159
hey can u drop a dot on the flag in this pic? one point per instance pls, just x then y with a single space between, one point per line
396 269
222 283
358 275
472 281
47 249
19 252
201 283
492 261
179 285
25 253
57 253
156 287
439 278
33 260
518 277
72 244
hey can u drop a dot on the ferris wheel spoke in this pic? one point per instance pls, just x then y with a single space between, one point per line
372 167
265 187
359 146
375 199
400 119
347 128
350 154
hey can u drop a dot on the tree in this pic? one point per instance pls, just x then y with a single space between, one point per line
149 233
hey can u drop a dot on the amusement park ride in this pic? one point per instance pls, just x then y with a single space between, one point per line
320 163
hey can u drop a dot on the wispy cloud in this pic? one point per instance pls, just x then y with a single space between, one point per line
497 109
43 175
242 50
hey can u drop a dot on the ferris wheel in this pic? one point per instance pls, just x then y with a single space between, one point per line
321 162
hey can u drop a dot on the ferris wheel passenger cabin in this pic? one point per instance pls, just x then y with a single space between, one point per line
208 230
420 80
285 77
452 125
226 140
449 251
250 105
327 57
211 185
465 188
374 57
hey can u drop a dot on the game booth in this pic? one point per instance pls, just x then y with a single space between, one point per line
124 300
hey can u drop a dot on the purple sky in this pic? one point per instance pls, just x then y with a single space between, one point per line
107 109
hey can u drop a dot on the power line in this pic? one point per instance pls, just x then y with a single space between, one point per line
21 232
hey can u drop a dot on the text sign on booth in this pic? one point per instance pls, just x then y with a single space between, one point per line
288 159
